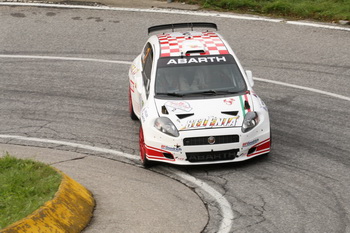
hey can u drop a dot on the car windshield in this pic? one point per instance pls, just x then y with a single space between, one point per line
202 75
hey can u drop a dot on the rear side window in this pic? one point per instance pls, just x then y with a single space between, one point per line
147 59
147 62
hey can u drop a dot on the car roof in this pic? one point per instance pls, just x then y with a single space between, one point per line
192 43
188 42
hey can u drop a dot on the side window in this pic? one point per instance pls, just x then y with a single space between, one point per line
147 60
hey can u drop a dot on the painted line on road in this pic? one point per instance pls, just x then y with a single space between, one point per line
182 12
64 58
71 144
129 63
303 88
225 207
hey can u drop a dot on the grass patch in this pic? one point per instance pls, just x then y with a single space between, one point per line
321 10
25 185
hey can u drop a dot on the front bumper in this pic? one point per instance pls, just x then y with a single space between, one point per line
231 145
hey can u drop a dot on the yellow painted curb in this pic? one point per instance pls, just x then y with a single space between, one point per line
69 211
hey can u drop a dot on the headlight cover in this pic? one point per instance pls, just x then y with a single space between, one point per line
250 121
165 125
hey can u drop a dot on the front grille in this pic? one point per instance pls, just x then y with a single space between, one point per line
211 156
204 140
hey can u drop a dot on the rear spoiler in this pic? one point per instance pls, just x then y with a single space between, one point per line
181 25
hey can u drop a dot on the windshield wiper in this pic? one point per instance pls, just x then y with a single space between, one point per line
205 92
172 94
227 92
211 92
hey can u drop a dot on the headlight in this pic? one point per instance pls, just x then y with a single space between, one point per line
250 121
164 125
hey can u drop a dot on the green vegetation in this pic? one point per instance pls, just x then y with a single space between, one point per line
25 185
322 10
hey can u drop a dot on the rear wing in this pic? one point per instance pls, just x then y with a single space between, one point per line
181 25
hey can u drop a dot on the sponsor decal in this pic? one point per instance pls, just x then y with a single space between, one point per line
216 59
211 122
177 148
229 101
178 105
262 104
132 85
144 114
261 148
195 60
246 144
134 69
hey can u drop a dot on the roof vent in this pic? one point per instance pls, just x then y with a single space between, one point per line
192 46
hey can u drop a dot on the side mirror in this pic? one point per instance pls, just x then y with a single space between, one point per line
250 77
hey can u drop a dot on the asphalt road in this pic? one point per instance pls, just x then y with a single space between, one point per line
302 186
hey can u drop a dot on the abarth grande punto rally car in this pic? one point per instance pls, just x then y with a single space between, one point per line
195 102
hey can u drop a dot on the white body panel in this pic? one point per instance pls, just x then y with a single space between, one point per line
199 117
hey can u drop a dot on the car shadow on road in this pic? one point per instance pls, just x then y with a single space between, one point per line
250 164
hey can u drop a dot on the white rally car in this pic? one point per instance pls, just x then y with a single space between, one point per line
195 102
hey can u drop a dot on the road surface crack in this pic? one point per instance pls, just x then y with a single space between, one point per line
68 160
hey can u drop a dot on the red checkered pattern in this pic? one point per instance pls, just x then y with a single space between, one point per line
171 46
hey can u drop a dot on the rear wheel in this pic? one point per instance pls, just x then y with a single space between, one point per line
131 109
145 162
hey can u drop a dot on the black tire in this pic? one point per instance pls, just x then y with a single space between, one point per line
145 162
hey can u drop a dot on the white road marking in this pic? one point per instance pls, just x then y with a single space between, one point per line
318 25
64 58
303 88
183 12
225 207
129 63
71 144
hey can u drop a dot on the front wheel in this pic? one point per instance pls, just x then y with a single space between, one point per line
145 162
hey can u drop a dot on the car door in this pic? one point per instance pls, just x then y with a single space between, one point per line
140 77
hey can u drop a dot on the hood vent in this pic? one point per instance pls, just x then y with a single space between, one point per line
192 46
182 116
164 110
246 105
232 113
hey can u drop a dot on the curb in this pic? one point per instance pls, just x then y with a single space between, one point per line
69 211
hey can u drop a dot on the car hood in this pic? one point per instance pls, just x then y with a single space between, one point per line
205 113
